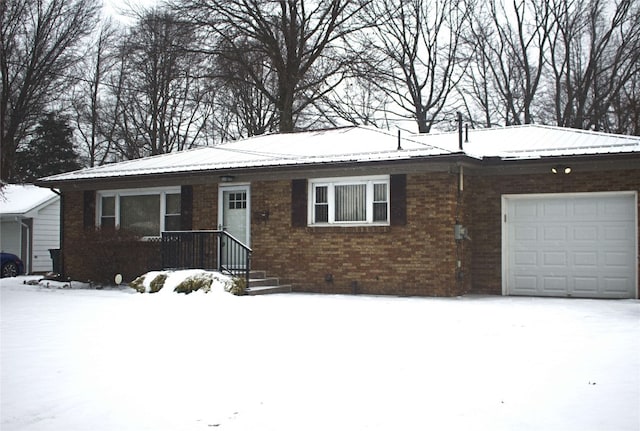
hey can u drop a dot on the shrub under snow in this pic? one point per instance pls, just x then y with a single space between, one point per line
185 281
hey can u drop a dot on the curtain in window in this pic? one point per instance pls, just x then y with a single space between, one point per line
379 202
350 202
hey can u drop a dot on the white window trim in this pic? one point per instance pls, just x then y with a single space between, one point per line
330 183
161 191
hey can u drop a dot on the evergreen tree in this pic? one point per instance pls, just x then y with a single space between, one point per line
49 152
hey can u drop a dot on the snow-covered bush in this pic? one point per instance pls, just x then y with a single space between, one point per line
237 286
157 283
195 282
185 281
151 282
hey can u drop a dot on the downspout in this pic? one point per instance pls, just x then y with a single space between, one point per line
61 257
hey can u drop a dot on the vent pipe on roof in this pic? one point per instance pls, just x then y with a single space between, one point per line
459 130
399 142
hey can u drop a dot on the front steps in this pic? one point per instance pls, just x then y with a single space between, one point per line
260 284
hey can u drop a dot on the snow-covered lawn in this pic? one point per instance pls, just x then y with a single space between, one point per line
114 359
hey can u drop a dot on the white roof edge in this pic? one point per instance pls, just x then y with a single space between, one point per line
361 144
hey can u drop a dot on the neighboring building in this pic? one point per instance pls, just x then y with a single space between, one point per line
30 225
526 210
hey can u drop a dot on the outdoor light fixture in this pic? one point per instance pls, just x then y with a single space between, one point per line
226 178
558 169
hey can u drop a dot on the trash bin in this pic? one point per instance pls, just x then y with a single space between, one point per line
55 257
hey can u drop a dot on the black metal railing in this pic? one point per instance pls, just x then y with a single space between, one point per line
206 249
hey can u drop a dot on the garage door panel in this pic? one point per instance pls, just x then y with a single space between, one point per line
585 259
526 211
555 233
616 286
554 284
585 286
554 209
616 210
585 210
526 258
526 233
571 245
585 233
526 283
617 260
617 233
554 258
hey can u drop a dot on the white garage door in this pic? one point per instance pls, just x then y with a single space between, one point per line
578 245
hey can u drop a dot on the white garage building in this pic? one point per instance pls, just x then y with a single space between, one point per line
30 225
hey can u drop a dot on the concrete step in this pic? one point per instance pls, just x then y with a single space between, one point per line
264 290
257 274
269 281
260 284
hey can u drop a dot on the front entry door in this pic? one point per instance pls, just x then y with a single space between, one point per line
234 205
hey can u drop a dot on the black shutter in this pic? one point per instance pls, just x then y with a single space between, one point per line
398 192
89 209
299 203
186 207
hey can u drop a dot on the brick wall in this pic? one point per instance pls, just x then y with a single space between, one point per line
205 206
90 254
416 259
420 258
484 200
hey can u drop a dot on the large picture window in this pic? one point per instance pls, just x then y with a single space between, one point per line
348 201
144 212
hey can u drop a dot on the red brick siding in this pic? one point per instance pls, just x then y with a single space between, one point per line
92 255
416 259
205 206
484 194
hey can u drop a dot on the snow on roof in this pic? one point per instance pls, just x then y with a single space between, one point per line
364 144
534 141
20 199
347 144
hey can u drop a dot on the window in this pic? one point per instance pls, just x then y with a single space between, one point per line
172 212
237 200
362 200
108 218
143 212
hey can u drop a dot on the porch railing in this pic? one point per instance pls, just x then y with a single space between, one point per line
206 249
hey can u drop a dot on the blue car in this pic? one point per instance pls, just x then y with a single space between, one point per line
11 265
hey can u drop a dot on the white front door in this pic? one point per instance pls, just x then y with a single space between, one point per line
234 203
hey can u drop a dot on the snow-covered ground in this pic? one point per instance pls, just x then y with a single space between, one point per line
112 359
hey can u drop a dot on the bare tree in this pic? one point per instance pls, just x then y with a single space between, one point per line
415 47
157 99
38 47
358 101
595 52
88 106
625 109
298 40
244 89
511 43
